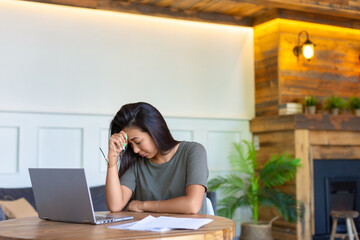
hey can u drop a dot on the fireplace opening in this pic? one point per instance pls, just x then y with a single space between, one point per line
336 187
341 193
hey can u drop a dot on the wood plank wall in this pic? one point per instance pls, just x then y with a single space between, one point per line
266 43
335 69
277 143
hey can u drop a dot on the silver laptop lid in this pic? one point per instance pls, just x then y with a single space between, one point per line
62 194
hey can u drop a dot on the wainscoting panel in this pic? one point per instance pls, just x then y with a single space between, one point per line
219 147
183 135
60 147
73 141
9 153
103 143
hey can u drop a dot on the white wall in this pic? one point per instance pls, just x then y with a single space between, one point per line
64 72
71 60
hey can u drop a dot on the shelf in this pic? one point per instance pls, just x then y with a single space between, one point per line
345 122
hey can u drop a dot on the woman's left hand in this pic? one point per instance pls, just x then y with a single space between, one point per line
136 206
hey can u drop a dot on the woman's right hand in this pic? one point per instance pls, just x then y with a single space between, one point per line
117 143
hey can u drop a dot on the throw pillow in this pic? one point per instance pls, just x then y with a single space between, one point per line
17 208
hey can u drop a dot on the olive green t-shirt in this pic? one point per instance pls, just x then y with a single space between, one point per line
149 181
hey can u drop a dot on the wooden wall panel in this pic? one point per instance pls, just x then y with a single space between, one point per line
278 234
274 143
304 183
277 143
335 152
266 69
343 138
335 69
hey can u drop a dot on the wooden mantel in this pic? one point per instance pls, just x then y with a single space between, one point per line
308 137
306 121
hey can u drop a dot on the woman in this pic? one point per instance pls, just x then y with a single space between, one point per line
157 173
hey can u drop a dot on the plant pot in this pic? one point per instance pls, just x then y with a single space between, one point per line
250 231
357 112
334 111
310 109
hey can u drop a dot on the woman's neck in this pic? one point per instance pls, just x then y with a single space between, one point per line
160 159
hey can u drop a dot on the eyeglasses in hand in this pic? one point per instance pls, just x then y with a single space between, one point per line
118 158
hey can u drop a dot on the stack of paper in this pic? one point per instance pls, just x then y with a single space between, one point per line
161 224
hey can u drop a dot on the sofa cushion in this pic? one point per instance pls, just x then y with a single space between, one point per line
18 208
16 193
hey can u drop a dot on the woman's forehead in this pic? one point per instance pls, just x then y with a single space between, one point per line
134 132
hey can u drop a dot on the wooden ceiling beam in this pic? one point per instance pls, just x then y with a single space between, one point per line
319 18
340 8
307 17
151 10
334 12
74 3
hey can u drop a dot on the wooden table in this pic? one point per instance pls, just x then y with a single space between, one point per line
35 228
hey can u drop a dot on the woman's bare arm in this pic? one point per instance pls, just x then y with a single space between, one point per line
188 204
116 195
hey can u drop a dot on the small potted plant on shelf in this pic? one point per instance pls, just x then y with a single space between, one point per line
310 104
334 104
353 104
249 187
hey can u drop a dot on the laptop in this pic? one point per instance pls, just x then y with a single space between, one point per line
62 194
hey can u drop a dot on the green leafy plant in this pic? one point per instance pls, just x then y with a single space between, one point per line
334 102
310 101
353 103
250 187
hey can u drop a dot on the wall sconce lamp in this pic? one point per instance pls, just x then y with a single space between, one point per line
307 48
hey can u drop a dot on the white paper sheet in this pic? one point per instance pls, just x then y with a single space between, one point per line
161 224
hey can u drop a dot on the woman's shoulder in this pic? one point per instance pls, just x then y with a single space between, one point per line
192 146
193 152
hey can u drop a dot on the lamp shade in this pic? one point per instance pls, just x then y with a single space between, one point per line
308 49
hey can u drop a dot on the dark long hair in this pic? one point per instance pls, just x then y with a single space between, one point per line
148 119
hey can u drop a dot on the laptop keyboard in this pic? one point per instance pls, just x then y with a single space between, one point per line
100 217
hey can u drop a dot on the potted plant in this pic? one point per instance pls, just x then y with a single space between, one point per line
310 104
334 104
353 104
248 187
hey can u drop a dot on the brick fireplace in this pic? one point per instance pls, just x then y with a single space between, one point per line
329 149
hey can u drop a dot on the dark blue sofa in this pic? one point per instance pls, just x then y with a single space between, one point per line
97 196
